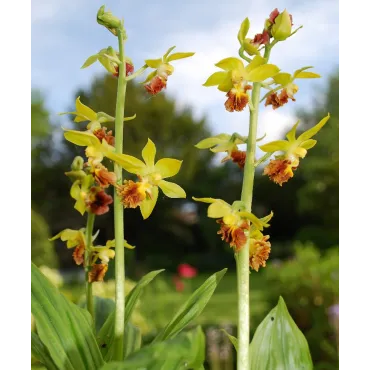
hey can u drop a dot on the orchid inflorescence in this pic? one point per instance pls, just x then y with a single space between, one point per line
91 178
236 80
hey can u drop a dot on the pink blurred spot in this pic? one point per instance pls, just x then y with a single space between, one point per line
186 271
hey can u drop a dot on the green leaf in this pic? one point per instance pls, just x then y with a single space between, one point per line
291 134
176 56
215 79
282 78
244 28
279 344
186 351
232 339
262 72
64 328
275 146
106 334
90 60
192 308
41 353
132 339
314 130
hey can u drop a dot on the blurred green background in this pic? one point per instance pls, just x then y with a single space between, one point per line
304 262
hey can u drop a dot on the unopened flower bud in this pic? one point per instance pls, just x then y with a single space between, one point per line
108 20
282 27
77 164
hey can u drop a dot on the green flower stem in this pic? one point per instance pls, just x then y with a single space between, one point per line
119 323
87 257
137 73
242 258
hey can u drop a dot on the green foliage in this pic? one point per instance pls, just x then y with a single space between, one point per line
106 333
64 329
310 284
191 308
278 343
42 250
185 351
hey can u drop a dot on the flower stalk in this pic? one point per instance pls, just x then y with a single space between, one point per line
119 323
242 257
87 263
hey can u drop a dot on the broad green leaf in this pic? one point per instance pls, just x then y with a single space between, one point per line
90 60
171 189
282 78
308 144
307 75
153 63
41 353
216 79
106 334
278 343
132 339
275 146
186 351
64 328
176 56
192 308
313 131
232 339
243 31
168 167
168 52
148 153
291 134
148 204
262 72
256 62
228 64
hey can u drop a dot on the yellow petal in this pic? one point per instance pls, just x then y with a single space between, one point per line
84 112
80 205
128 162
147 206
75 190
82 138
251 217
127 245
148 153
153 63
215 79
168 167
313 131
210 142
275 146
228 64
256 62
218 209
171 189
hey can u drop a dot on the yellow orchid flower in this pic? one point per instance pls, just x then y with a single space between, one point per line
151 175
75 239
96 149
79 192
157 80
285 82
225 143
280 170
235 79
105 253
236 230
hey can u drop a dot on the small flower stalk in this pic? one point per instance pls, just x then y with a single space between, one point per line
242 79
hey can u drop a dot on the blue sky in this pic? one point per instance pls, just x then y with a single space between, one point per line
64 34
